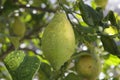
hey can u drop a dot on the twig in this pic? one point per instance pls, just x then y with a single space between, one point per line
38 8
28 49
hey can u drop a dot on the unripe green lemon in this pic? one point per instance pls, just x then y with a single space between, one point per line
101 3
14 59
18 27
88 66
58 41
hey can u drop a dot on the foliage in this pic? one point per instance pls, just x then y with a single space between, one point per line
22 26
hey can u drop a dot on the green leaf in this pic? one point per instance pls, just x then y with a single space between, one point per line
111 17
4 72
90 38
42 75
23 1
2 2
87 29
89 15
111 30
28 68
2 26
9 7
36 3
21 66
2 38
46 69
112 60
26 17
38 17
100 12
110 45
15 41
14 59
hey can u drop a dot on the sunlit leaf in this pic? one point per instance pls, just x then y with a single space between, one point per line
23 1
111 30
26 17
112 60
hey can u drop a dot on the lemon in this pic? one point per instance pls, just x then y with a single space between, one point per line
18 27
88 66
101 3
58 41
